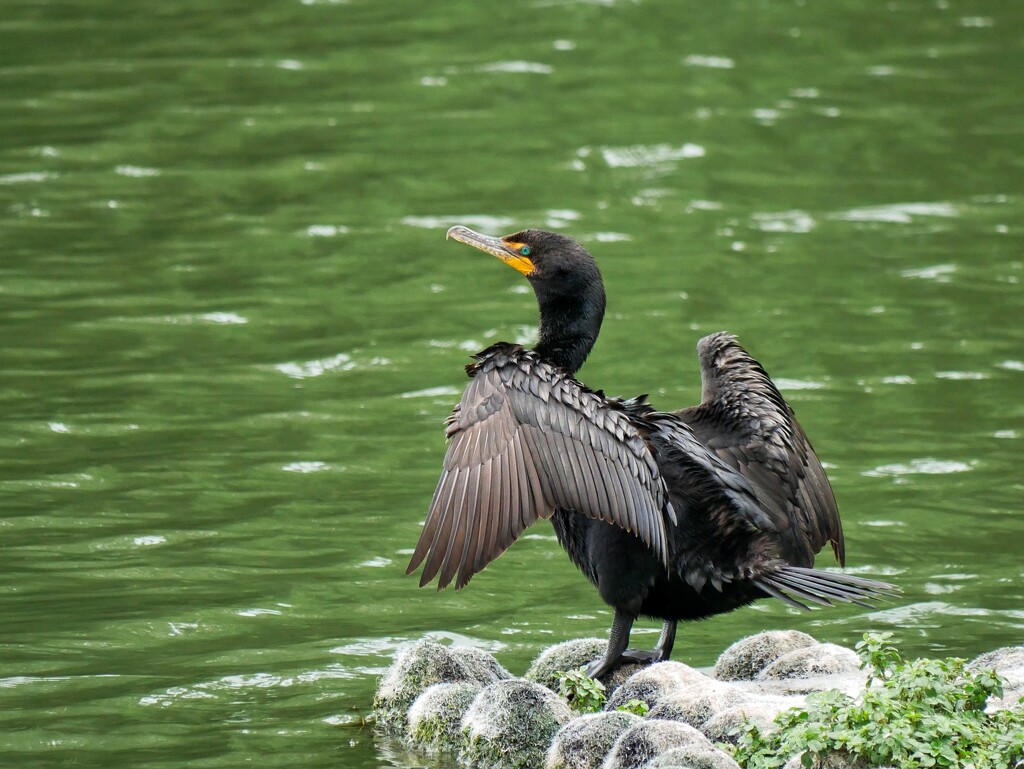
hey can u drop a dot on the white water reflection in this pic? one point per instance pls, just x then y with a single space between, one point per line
517 67
136 171
432 392
646 155
711 62
925 466
961 375
488 224
306 467
334 364
897 213
940 273
27 176
785 221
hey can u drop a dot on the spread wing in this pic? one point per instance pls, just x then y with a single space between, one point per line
526 439
745 420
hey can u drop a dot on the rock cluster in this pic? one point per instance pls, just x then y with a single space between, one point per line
460 701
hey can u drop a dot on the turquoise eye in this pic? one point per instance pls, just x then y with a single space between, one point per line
525 250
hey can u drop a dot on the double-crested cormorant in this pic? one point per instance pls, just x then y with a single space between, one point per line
673 515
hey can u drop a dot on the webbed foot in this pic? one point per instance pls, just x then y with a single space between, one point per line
642 657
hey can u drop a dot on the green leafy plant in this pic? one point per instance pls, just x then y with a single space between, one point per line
920 714
584 693
878 654
635 706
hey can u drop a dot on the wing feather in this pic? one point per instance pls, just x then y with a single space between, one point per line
461 527
746 422
524 440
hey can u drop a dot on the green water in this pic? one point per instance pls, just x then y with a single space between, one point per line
232 327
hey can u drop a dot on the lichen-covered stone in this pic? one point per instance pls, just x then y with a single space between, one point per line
1008 662
651 684
749 656
511 724
648 740
562 658
693 757
423 664
850 684
585 741
816 660
435 718
696 706
728 725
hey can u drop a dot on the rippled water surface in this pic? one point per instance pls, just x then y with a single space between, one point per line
232 326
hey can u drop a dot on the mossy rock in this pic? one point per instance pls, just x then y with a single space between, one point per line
649 739
435 718
655 682
423 664
697 706
563 657
693 757
1008 661
749 656
511 724
728 725
809 661
585 741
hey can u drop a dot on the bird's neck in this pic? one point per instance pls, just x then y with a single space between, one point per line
568 330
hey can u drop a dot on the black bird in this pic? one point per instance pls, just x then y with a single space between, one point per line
672 515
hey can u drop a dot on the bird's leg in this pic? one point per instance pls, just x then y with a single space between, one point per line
618 640
667 640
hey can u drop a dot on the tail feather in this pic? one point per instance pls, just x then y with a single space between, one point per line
795 585
776 593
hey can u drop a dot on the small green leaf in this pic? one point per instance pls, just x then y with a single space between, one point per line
635 706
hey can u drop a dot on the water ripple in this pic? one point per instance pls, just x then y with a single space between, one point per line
28 176
432 392
798 384
212 689
486 223
186 319
335 363
897 213
925 466
644 155
785 221
608 237
711 62
962 375
306 467
326 230
517 67
940 273
136 171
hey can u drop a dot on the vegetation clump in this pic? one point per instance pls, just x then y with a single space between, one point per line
587 695
918 714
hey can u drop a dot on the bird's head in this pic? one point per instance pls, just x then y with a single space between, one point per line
553 263
565 279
